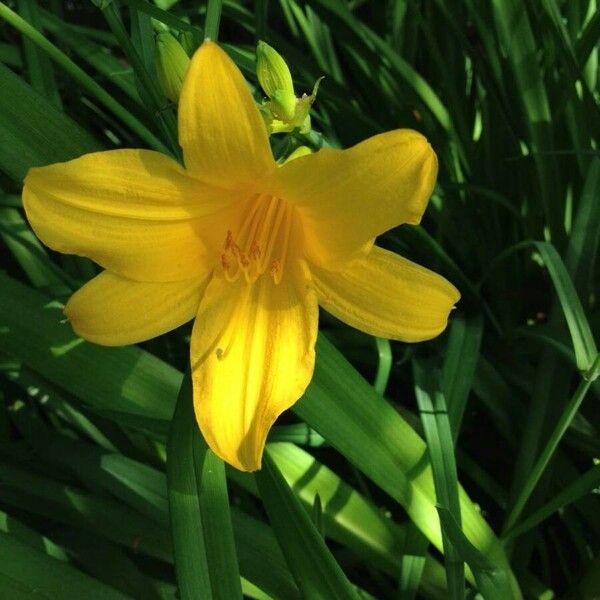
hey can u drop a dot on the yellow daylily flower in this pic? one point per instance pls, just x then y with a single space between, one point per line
246 246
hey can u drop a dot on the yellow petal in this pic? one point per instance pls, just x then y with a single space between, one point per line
114 311
134 212
134 184
388 296
252 358
223 136
348 197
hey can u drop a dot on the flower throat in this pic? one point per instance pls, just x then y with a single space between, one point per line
261 244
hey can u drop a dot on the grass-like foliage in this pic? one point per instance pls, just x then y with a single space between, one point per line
107 490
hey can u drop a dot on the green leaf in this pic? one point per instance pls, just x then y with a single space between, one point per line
99 515
37 574
577 322
348 517
163 16
517 37
440 445
542 462
582 253
260 557
370 433
339 404
493 583
80 76
96 55
9 524
33 132
30 254
140 487
584 484
462 356
39 67
205 560
412 565
316 572
581 335
123 380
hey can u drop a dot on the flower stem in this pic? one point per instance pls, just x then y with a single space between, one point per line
213 19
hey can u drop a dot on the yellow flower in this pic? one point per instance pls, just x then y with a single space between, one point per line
247 247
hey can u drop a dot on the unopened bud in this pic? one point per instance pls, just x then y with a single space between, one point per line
276 80
283 105
172 63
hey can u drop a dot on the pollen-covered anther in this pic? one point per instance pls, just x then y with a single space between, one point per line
255 252
276 270
250 250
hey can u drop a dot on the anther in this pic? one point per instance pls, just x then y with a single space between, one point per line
250 250
255 252
275 267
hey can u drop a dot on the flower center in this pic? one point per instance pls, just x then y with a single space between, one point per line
261 243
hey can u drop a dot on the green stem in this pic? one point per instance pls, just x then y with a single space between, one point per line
548 452
384 367
80 76
213 19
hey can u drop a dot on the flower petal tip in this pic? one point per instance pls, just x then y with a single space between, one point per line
244 453
247 457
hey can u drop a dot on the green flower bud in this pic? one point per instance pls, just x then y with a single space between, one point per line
276 80
283 112
283 105
172 63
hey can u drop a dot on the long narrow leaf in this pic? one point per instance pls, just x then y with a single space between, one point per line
438 433
205 560
315 570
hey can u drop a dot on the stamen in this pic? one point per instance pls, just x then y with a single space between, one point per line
231 277
255 252
263 233
286 240
274 230
275 268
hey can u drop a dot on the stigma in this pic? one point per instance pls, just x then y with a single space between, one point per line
261 243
